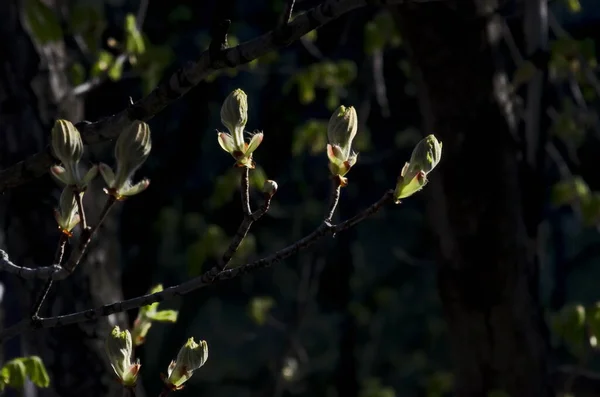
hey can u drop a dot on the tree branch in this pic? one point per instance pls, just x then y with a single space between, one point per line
185 79
53 272
202 281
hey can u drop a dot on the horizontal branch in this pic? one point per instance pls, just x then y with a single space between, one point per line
185 79
208 278
54 272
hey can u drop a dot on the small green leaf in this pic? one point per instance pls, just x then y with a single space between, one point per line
115 71
104 62
134 43
36 371
259 308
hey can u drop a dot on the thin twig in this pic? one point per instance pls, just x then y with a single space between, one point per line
58 257
202 281
245 191
86 238
185 79
334 200
241 233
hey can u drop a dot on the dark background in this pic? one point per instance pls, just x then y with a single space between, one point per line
384 309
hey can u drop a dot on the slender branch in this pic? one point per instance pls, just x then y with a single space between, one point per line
245 191
58 257
334 200
183 80
202 281
241 233
86 238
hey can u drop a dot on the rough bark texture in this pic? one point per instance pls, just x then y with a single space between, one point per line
487 277
33 93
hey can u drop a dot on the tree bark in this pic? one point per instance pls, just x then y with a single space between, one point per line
487 276
34 91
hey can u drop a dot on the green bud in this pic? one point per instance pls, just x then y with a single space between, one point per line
67 214
270 187
131 151
425 157
66 142
190 357
341 131
68 148
234 115
119 349
426 154
342 128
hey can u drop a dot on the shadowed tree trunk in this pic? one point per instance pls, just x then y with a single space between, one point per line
34 91
487 277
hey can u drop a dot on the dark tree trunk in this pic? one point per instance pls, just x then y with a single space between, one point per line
34 91
487 276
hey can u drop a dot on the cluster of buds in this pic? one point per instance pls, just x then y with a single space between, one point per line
234 115
131 151
67 146
341 131
67 213
148 315
119 350
425 156
190 357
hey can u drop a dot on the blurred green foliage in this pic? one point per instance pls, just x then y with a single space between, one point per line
15 372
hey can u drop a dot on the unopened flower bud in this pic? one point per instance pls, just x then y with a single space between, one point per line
234 115
425 156
190 357
66 142
67 214
270 187
342 128
119 349
131 151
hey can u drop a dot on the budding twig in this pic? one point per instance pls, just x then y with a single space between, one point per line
53 272
335 198
245 189
202 281
86 238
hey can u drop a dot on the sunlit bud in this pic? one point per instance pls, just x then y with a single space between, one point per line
342 128
66 142
67 214
425 157
190 357
234 115
131 151
119 350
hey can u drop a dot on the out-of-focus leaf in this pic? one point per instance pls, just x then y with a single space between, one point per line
257 178
115 71
590 210
259 308
523 74
225 187
42 22
77 74
569 191
14 372
372 387
104 62
439 384
210 245
181 13
134 42
311 136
